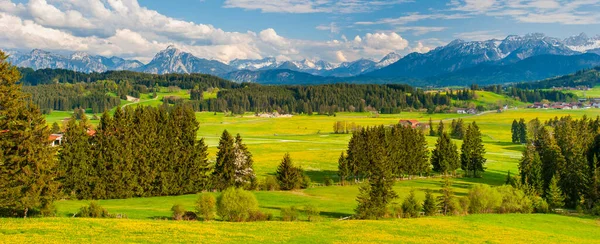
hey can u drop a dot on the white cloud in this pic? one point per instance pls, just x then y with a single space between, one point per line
340 56
420 30
420 48
311 6
124 28
568 12
480 35
331 27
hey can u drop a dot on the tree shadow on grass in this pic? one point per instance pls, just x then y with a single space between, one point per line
509 146
333 215
319 176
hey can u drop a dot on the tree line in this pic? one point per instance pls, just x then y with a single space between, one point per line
381 154
563 152
530 94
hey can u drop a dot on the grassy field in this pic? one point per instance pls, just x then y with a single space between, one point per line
512 228
593 93
311 143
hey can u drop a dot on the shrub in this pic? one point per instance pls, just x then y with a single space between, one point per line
94 210
312 213
236 205
483 199
397 211
513 200
305 181
178 211
596 210
48 210
328 181
189 215
429 206
410 206
289 214
269 183
465 204
540 205
206 206
259 216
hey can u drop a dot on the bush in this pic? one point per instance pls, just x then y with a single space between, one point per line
513 200
540 205
206 206
328 181
305 181
189 215
465 204
178 211
259 216
48 210
397 211
312 213
94 210
269 183
236 205
410 206
596 210
289 214
483 199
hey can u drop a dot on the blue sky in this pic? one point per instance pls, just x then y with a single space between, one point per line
333 30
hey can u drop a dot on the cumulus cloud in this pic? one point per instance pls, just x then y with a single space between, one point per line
124 28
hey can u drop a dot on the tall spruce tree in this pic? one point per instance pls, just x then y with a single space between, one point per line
530 167
76 164
445 158
431 130
554 195
224 172
515 132
522 131
28 166
288 175
440 129
472 152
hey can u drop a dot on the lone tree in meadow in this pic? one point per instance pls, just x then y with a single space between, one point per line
27 161
289 176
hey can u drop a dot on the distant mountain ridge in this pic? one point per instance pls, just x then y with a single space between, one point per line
512 59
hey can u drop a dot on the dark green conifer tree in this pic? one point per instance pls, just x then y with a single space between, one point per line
28 166
472 152
445 158
343 170
430 207
515 130
224 173
288 175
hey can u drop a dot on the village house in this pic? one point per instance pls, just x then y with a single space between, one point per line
413 124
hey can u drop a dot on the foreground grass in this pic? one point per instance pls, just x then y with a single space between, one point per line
512 228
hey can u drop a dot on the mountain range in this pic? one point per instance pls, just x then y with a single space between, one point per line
512 59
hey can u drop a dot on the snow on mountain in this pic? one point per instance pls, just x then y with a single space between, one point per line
173 60
254 64
388 59
583 43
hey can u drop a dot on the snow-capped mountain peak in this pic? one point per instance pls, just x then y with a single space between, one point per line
388 59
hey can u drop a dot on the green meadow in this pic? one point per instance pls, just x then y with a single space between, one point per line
312 145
